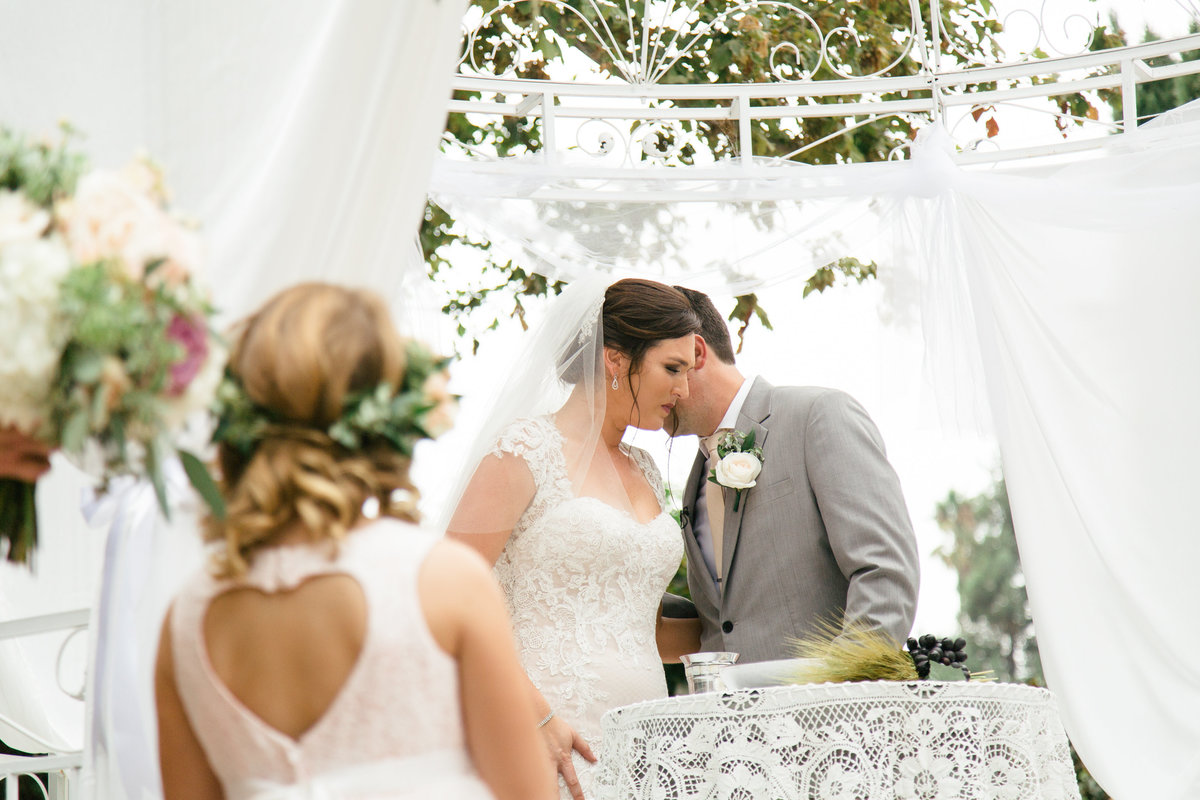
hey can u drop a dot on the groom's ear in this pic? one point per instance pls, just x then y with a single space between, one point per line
701 351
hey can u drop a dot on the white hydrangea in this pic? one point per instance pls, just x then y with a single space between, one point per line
20 220
31 272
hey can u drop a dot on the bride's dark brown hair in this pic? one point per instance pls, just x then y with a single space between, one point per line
300 356
638 314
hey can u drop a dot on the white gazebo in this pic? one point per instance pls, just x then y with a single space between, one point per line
1050 257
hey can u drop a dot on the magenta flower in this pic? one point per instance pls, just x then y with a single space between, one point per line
192 334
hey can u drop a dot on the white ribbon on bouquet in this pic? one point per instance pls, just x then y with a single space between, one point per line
144 563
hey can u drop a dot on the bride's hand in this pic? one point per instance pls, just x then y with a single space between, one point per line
562 739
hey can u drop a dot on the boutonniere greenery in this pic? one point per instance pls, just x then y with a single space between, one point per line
738 463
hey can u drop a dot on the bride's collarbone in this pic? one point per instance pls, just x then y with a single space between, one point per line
618 481
635 498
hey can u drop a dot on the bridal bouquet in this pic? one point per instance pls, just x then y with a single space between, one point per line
108 342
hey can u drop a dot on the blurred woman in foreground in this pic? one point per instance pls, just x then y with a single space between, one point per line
334 647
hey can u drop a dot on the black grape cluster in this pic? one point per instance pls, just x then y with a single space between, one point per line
929 650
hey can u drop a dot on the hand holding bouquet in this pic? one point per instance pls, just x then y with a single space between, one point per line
109 345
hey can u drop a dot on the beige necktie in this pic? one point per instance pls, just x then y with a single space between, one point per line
714 497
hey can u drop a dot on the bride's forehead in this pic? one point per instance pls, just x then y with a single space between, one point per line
682 348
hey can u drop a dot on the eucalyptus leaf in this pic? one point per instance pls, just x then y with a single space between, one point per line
154 462
203 483
85 366
75 431
342 433
99 407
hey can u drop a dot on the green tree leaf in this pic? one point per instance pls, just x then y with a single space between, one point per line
994 608
739 50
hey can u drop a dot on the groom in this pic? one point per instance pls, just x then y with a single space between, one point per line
823 535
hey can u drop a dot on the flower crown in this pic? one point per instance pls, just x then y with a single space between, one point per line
421 408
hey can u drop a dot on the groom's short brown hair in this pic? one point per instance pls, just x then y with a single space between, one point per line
712 324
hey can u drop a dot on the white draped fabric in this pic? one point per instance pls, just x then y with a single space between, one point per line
1079 287
1058 309
300 135
1057 303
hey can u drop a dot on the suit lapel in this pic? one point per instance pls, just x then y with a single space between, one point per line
753 417
690 498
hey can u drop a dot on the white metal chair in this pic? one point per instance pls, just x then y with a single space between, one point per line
61 769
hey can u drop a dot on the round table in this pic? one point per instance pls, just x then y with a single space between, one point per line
924 740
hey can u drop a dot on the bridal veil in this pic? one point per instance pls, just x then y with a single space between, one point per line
558 372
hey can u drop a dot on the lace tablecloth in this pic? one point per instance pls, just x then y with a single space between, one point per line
855 741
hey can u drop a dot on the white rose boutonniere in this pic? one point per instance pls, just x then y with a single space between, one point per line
739 463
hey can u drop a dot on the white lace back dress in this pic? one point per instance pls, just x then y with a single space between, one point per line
583 581
395 727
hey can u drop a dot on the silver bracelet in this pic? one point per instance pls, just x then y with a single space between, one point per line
548 717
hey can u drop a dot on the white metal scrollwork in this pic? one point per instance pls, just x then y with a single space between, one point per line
627 110
663 32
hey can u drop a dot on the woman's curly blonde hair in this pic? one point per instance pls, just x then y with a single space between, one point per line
300 357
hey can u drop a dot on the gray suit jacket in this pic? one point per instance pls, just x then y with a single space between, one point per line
824 532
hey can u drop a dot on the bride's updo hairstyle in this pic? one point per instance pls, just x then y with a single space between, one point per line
639 313
298 359
636 315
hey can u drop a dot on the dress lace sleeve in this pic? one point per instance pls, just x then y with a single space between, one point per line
537 442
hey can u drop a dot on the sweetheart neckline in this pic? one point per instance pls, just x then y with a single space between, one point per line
621 511
629 450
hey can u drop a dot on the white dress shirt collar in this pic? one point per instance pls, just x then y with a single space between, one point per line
735 406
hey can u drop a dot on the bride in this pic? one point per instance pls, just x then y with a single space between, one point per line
574 520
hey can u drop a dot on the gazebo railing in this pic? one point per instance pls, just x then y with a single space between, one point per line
626 118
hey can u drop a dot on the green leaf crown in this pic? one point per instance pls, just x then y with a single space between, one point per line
382 415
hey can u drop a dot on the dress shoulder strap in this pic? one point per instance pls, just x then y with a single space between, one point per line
649 468
538 442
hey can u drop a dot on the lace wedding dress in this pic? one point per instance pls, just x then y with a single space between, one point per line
583 581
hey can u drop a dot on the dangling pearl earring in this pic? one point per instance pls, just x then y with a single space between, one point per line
614 383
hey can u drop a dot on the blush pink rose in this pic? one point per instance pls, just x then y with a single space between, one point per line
115 215
192 334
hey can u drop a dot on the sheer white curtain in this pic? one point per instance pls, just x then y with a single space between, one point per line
1057 303
300 135
1079 288
1058 309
